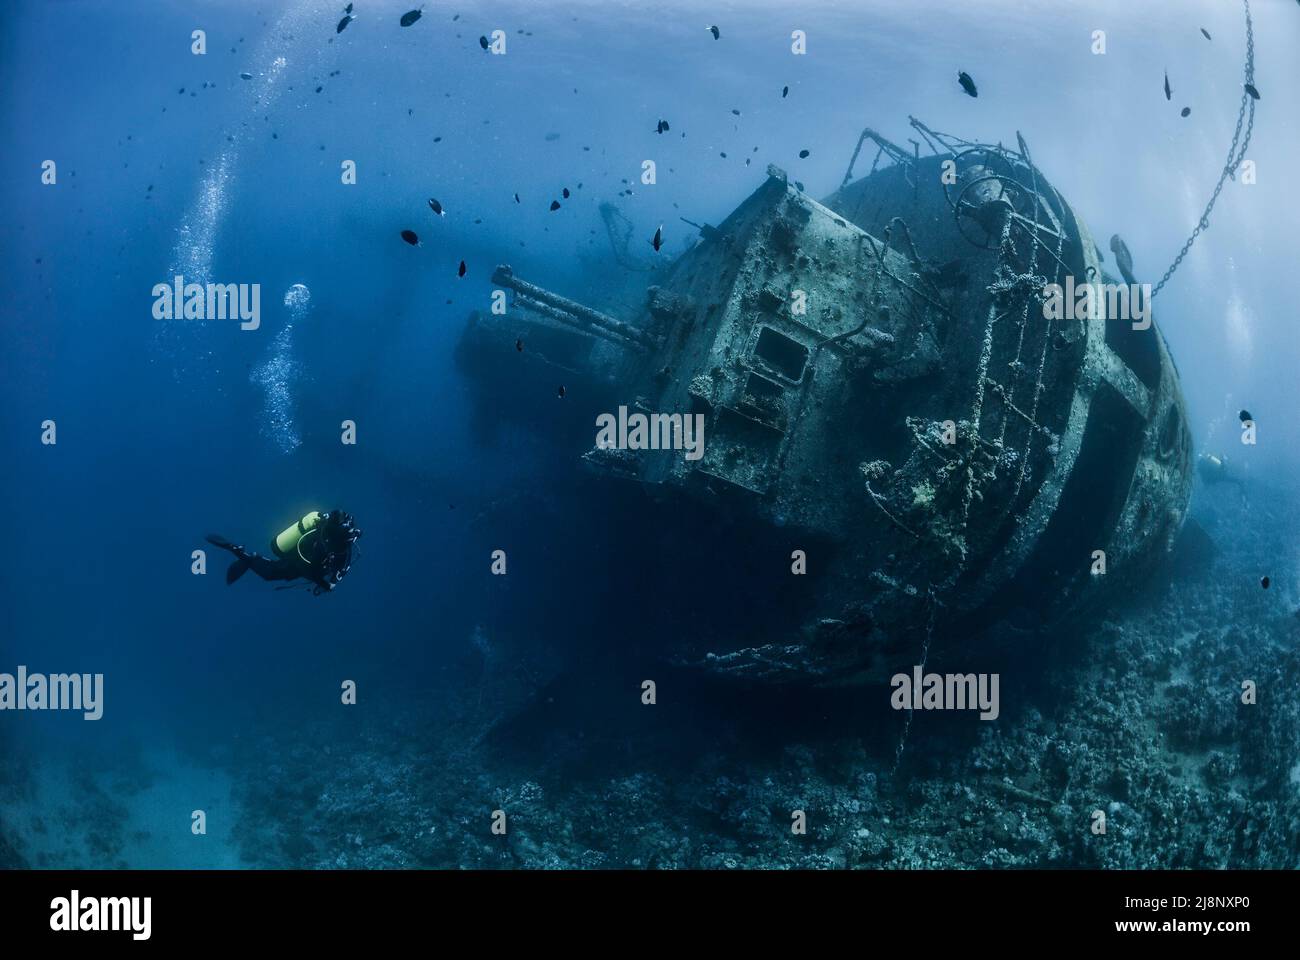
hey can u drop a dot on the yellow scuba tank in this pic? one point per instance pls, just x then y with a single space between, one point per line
290 540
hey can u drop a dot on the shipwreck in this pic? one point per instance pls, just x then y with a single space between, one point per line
876 373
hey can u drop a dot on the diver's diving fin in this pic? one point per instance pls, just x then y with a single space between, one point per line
236 570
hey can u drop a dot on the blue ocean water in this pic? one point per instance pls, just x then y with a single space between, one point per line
171 163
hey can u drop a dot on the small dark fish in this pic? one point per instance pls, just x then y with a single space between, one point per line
565 193
1244 416
967 83
951 274
803 154
1264 582
1185 112
460 271
436 207
1254 94
560 393
658 240
555 205
1123 258
343 24
519 345
411 16
348 8
517 200
1169 93
1206 33
735 111
716 32
319 89
483 42
663 127
410 237
785 92
246 76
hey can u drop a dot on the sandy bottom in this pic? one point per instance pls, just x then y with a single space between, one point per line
136 818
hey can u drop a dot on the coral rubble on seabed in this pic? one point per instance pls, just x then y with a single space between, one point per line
1140 717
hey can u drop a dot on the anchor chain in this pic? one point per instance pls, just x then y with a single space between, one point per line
1235 156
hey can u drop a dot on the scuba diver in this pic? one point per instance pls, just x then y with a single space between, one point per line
317 548
1215 470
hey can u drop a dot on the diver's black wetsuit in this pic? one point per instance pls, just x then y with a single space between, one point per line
268 568
328 561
